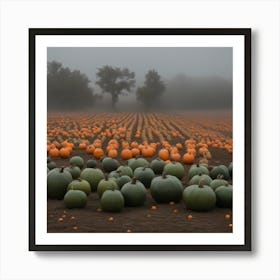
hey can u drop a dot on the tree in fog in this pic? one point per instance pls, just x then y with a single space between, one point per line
66 89
152 90
115 81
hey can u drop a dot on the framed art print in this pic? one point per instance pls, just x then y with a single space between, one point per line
140 130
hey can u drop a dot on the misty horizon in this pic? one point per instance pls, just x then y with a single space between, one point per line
194 78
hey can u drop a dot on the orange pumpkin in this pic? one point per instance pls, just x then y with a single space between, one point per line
54 152
82 146
163 154
188 158
135 152
148 152
112 153
175 156
126 154
65 152
90 149
98 153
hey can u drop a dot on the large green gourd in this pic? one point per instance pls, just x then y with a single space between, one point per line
122 180
218 182
138 162
157 165
224 196
77 161
112 201
81 185
75 199
106 184
93 176
166 188
134 193
75 171
220 170
110 164
91 163
125 170
196 179
197 169
175 169
145 175
57 183
199 197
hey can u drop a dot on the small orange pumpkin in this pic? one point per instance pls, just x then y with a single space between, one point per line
98 153
126 154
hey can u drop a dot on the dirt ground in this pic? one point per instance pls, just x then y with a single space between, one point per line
165 218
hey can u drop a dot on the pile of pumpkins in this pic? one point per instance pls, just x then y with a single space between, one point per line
126 185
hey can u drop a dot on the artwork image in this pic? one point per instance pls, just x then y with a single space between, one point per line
139 140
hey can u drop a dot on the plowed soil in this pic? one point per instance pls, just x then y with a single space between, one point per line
165 218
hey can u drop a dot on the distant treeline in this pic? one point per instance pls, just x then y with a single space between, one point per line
68 90
71 90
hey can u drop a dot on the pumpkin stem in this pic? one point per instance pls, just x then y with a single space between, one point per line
133 181
163 175
79 179
62 168
106 176
200 184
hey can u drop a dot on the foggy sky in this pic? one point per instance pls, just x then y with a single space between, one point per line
204 71
169 62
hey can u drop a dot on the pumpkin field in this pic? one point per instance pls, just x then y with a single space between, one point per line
139 171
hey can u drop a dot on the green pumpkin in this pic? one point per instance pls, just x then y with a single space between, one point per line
114 174
125 170
166 188
137 162
199 197
75 171
106 184
122 180
217 183
157 165
196 179
112 201
91 163
77 161
57 169
81 185
110 164
51 165
57 183
48 170
175 169
93 176
230 170
197 169
75 199
224 196
145 175
134 193
220 170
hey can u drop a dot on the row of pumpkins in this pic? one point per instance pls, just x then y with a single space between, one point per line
127 185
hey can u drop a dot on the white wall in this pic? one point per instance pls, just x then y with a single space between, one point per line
17 262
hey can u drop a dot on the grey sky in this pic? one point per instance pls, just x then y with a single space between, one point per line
198 62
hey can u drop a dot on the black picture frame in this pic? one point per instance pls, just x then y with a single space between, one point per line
246 32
